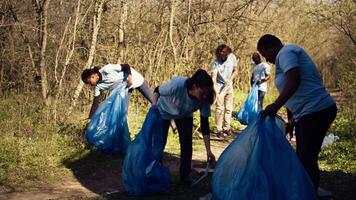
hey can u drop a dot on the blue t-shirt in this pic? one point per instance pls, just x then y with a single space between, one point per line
224 69
311 95
175 103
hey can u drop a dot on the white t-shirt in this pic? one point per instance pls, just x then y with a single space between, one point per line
259 72
112 75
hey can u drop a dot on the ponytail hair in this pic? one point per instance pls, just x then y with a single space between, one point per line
88 72
202 79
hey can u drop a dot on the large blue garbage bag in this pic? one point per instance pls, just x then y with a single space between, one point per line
249 109
261 164
108 129
143 173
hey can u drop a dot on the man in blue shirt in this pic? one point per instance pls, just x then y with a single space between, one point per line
310 107
224 70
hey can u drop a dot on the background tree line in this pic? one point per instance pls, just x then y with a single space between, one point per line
46 44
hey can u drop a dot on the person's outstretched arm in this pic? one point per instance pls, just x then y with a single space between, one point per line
292 84
94 106
204 126
155 96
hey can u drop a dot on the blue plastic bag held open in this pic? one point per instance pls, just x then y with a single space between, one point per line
143 173
261 164
108 129
249 110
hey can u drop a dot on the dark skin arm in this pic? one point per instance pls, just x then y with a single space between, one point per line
94 106
251 80
290 124
292 84
127 69
266 78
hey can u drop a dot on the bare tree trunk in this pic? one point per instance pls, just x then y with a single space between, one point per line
41 9
96 27
171 21
122 25
43 70
185 42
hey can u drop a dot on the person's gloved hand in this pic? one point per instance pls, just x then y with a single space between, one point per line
271 110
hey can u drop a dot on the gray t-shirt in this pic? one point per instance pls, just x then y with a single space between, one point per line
175 103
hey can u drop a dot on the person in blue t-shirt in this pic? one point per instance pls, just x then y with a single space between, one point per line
309 105
177 100
260 75
223 72
109 76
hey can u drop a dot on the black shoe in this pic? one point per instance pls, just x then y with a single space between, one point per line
220 135
186 181
229 132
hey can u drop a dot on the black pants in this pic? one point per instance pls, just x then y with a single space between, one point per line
261 96
185 131
310 131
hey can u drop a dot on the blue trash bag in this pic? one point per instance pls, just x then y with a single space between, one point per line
249 110
108 130
143 174
261 164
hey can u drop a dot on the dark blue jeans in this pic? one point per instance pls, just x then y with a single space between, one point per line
185 131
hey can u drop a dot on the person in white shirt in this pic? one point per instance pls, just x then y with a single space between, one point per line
260 75
109 76
224 70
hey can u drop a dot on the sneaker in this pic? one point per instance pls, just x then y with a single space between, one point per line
220 135
324 193
208 196
229 132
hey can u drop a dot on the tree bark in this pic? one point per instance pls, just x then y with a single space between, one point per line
42 9
171 21
122 26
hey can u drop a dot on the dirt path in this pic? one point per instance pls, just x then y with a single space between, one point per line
89 182
68 189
